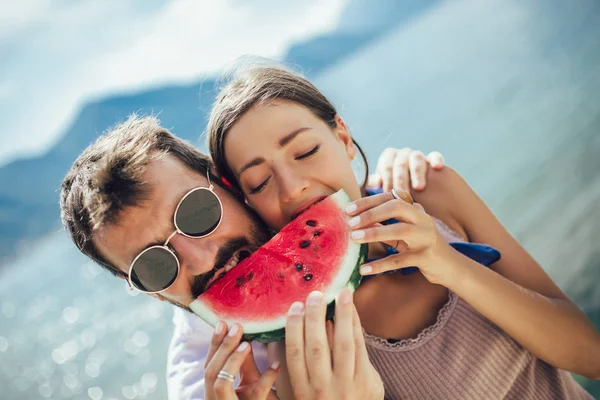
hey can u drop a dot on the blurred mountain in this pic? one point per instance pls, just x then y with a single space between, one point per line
29 187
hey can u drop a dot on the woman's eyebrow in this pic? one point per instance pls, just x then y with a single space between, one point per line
290 136
284 141
253 163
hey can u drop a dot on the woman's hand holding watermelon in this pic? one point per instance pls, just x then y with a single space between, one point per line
415 237
226 358
319 370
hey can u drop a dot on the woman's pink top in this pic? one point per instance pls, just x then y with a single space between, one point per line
465 356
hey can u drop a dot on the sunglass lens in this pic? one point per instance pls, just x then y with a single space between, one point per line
154 270
199 213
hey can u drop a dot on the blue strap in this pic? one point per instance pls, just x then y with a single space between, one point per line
483 254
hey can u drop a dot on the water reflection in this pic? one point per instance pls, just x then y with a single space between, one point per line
68 343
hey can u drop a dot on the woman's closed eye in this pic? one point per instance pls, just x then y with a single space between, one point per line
260 187
309 153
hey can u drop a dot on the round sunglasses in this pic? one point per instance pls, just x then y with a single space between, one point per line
197 215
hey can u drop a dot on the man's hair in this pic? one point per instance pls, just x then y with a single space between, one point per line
108 176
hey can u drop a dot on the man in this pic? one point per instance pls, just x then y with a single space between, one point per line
124 203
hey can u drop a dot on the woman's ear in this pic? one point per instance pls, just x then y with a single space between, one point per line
344 135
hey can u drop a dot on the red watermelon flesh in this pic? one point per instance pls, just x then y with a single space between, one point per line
313 252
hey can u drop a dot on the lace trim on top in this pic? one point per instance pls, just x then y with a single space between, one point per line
443 315
422 337
448 233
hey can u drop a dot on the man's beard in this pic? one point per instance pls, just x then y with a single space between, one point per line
259 235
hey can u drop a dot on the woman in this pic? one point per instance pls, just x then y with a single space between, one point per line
190 343
452 330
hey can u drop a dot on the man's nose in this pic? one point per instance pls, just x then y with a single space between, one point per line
196 256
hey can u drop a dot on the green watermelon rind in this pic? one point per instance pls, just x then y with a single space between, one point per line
353 283
354 257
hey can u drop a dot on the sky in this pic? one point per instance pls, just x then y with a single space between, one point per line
55 55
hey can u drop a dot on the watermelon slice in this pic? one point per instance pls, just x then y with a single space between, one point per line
313 252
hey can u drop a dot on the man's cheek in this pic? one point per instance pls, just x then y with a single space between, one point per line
175 302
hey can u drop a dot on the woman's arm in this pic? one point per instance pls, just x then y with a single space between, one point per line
517 295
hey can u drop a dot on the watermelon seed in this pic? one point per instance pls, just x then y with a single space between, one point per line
280 274
299 267
317 233
307 277
304 244
250 276
221 275
239 280
310 222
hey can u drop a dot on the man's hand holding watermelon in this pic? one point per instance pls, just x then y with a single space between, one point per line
226 353
329 368
318 366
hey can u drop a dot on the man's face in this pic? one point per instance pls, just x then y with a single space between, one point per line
151 222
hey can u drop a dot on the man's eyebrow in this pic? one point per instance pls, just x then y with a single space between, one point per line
284 141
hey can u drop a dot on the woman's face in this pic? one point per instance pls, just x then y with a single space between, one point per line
286 159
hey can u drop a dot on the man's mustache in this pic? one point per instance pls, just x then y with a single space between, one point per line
223 255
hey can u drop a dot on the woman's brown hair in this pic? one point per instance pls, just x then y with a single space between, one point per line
255 85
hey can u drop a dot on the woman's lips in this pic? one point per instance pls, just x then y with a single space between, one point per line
306 206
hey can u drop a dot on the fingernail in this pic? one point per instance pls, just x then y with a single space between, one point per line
353 221
345 296
366 269
275 365
219 328
243 346
296 308
417 184
357 234
233 330
314 298
351 208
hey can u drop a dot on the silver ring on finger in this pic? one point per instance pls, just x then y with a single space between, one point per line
225 375
407 197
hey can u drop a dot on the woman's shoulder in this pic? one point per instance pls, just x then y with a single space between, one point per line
443 197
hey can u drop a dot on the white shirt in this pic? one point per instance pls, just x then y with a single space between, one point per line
187 353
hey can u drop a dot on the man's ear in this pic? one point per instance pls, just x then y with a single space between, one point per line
343 133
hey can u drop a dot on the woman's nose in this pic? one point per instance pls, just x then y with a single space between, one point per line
291 185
